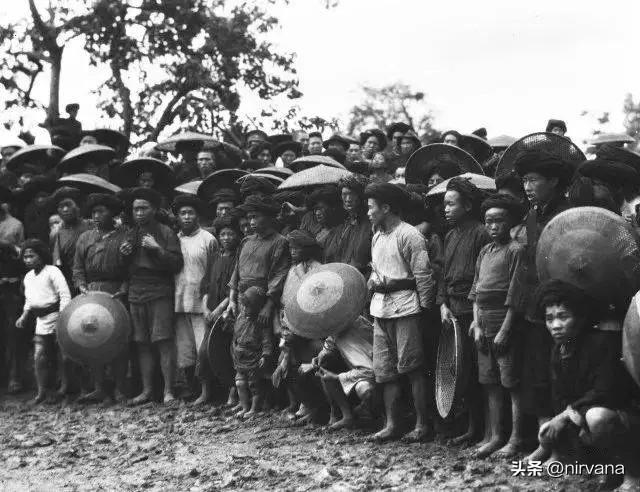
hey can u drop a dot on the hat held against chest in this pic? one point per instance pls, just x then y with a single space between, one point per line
329 298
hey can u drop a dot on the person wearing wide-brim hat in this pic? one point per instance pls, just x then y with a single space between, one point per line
288 152
616 177
32 202
67 202
395 131
146 172
223 201
198 249
257 186
89 159
451 137
262 151
156 257
99 266
545 178
263 258
339 141
372 141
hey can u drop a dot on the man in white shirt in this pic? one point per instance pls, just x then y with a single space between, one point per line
402 284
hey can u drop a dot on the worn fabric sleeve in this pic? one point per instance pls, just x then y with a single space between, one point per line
170 256
474 287
61 287
414 249
79 272
278 270
517 296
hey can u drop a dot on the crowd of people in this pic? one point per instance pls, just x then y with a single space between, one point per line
206 276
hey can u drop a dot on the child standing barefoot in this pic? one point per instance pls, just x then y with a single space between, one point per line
251 348
46 294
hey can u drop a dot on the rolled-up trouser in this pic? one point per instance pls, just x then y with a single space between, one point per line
190 330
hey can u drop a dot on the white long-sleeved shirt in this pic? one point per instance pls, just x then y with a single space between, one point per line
42 290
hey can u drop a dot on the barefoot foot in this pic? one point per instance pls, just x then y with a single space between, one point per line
540 454
386 434
343 423
97 396
488 449
419 434
141 399
510 449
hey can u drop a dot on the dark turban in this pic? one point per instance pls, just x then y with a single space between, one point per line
512 205
295 197
66 192
399 126
544 163
148 194
388 193
327 194
378 134
613 153
253 184
480 132
611 172
186 200
302 239
510 181
227 222
556 123
224 195
108 200
452 132
265 205
355 182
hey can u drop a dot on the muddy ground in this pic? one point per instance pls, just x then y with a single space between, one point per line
75 447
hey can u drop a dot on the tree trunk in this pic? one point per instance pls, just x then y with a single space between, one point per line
125 97
53 110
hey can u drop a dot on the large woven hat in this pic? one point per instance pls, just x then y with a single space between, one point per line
423 160
280 172
476 146
215 351
222 178
318 175
452 368
603 138
276 180
308 161
190 188
78 157
560 147
88 183
594 250
501 142
49 155
93 329
329 298
631 339
480 180
127 174
197 140
111 138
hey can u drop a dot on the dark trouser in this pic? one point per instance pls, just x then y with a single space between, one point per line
15 342
536 358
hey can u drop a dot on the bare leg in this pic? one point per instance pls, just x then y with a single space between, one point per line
145 358
232 400
474 417
119 366
391 394
256 388
487 421
244 396
66 369
167 366
418 381
336 395
541 453
514 445
98 394
40 363
496 407
204 394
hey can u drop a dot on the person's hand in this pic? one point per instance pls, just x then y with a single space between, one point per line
263 362
20 321
126 248
232 309
209 316
149 242
549 430
326 375
501 342
83 290
119 294
264 317
445 314
478 338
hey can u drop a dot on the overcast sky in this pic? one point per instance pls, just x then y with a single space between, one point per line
503 64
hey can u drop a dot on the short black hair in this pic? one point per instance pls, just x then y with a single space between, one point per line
560 293
38 247
315 135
